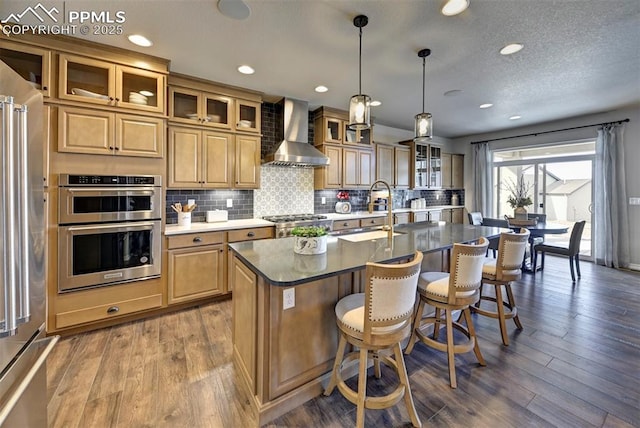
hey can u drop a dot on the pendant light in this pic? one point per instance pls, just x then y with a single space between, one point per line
424 121
359 106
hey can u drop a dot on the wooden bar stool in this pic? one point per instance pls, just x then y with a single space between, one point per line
501 272
455 291
380 318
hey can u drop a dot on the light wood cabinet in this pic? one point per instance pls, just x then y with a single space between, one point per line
89 80
196 266
425 166
392 165
207 104
103 132
208 159
401 218
32 63
247 162
199 159
357 168
452 171
457 215
330 176
332 126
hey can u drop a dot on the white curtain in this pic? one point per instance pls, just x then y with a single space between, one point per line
611 220
482 179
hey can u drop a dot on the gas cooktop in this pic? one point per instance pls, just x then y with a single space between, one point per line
289 218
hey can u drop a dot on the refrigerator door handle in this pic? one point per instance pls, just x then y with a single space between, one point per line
22 292
8 224
24 384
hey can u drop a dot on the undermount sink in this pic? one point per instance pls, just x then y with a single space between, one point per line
367 236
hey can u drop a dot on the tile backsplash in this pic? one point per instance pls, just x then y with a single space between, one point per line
284 190
401 199
208 200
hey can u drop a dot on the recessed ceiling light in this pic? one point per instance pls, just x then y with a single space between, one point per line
511 49
245 69
487 105
321 89
454 7
146 93
139 40
375 103
516 117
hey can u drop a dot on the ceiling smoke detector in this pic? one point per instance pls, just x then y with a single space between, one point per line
234 9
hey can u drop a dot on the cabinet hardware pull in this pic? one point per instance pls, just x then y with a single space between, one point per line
117 148
110 147
44 88
117 99
345 224
197 239
251 234
373 221
110 98
113 310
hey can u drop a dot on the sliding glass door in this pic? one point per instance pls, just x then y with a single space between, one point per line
558 180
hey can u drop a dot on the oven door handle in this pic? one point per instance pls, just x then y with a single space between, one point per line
130 226
118 190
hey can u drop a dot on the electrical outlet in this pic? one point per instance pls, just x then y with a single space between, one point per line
634 201
229 203
288 298
324 200
437 196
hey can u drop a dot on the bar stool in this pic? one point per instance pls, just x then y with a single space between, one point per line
380 318
455 291
501 272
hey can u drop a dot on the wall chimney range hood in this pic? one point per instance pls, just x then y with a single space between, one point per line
292 130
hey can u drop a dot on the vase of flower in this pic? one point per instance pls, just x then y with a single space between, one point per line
309 240
519 197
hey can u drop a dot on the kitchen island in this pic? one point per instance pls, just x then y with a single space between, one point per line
284 329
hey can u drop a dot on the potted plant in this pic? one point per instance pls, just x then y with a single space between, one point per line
309 240
519 197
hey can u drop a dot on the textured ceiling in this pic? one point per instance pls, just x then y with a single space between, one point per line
580 56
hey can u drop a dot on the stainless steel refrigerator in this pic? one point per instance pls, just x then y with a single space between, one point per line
23 345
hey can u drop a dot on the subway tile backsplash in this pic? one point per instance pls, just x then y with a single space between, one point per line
401 199
208 200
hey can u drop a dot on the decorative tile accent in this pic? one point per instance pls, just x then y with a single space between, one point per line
284 190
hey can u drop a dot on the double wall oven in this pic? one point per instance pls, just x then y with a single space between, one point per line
109 230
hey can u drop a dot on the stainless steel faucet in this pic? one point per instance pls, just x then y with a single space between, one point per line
389 226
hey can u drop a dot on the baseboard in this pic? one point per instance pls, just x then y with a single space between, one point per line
634 266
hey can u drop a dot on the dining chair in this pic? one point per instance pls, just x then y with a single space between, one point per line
501 272
495 222
572 251
535 240
378 319
454 291
475 218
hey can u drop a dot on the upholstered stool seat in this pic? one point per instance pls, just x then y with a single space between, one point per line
501 272
378 319
451 291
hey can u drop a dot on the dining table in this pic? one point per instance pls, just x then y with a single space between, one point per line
540 229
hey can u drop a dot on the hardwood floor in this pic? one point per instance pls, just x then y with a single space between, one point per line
575 364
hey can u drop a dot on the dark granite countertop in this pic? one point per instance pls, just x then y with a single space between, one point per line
274 259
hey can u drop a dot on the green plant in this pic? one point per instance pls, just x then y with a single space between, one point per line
308 231
519 193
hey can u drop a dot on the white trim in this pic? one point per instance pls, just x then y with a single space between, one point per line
634 266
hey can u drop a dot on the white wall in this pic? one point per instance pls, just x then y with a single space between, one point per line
631 155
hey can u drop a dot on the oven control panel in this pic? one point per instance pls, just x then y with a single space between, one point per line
109 180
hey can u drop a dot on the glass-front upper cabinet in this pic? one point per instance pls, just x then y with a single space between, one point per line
200 108
435 167
99 82
421 162
32 63
360 137
248 116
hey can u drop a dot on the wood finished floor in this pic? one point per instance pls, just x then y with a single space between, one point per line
575 364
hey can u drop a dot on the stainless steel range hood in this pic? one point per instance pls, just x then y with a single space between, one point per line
292 130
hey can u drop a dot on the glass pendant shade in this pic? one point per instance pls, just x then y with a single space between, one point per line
424 127
360 112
